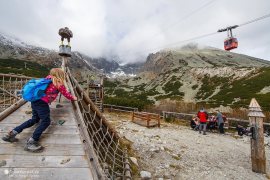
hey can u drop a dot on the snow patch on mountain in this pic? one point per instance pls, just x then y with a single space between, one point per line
119 73
12 41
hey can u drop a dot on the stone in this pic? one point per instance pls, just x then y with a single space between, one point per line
28 112
156 150
167 176
3 163
134 161
145 175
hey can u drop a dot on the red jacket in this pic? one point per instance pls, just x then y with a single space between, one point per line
203 116
52 92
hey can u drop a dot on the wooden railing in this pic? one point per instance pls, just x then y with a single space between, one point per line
112 107
146 119
10 93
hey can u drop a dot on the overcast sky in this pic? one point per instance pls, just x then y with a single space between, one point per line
131 29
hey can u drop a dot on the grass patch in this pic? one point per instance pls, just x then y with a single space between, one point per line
245 89
125 101
209 85
16 66
172 86
110 84
195 86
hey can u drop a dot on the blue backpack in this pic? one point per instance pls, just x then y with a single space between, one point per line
34 89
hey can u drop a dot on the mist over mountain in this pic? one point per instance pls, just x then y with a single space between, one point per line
190 73
13 48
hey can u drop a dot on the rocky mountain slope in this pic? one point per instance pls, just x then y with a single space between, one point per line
12 49
189 74
192 74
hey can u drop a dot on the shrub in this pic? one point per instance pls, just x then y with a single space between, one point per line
195 86
121 101
172 86
245 89
18 67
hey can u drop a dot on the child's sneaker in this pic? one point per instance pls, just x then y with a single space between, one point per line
10 137
33 146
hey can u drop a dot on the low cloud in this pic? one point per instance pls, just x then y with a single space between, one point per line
131 29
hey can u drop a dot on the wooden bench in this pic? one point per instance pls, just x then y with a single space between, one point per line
146 119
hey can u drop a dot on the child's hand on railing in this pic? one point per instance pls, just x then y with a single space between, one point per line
75 98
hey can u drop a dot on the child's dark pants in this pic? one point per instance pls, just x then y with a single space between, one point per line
40 111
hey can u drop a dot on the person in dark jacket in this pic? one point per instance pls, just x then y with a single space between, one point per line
194 123
212 123
220 122
203 116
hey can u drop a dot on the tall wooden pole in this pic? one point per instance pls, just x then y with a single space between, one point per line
256 116
64 50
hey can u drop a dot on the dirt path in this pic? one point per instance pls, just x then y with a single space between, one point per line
176 152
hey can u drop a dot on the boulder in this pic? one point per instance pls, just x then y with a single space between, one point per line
134 161
145 175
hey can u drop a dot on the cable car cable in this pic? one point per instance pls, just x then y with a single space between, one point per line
178 42
186 16
254 20
181 20
202 36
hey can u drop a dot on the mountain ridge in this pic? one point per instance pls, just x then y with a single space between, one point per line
197 75
189 74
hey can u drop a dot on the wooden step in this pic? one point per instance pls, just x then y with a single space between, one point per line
46 173
48 138
50 149
33 161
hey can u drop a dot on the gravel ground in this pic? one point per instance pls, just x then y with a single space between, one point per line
177 152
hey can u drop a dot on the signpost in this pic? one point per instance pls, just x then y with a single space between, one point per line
256 116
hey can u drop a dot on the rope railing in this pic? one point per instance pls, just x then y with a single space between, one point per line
10 88
110 153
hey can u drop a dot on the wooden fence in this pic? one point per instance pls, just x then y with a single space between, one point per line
111 107
146 119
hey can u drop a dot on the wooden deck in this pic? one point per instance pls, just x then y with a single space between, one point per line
63 158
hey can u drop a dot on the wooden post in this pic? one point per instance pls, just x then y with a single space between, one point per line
159 121
163 112
256 116
63 66
132 118
88 85
148 119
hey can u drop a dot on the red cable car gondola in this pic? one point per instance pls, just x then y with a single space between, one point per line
231 42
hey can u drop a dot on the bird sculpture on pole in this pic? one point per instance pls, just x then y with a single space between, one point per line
65 33
65 50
